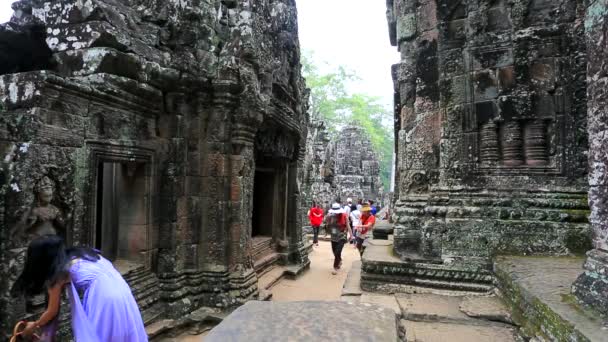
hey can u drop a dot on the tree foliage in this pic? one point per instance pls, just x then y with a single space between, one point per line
332 102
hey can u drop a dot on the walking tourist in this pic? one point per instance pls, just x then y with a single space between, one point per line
315 215
347 210
336 222
365 227
355 220
108 311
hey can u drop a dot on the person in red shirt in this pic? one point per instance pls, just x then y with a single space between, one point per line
315 215
367 224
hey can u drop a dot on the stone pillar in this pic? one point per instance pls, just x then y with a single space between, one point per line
241 192
490 152
297 249
215 163
512 148
535 146
591 287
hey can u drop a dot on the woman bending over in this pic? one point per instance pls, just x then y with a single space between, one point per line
108 311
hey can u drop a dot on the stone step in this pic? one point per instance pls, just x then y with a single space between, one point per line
383 271
431 332
152 314
537 291
267 280
261 265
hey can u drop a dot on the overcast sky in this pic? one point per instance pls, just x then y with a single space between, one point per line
352 33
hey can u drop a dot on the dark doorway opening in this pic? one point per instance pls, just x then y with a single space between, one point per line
262 221
122 210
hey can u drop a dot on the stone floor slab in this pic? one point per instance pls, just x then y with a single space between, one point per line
352 285
431 307
307 321
489 308
385 301
442 332
539 289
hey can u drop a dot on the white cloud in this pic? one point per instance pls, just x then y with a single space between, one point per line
5 10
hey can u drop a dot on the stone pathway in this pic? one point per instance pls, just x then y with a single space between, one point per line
317 283
437 316
428 316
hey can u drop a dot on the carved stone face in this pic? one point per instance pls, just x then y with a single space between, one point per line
45 196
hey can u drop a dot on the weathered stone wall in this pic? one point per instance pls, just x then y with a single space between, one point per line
185 93
592 286
491 126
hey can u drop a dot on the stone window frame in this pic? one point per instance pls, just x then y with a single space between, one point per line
555 168
103 151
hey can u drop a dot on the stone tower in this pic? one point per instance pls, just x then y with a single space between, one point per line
491 124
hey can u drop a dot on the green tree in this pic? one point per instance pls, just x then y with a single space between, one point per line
331 101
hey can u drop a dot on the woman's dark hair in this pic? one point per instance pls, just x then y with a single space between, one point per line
46 263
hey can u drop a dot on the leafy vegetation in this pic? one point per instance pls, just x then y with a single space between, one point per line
332 102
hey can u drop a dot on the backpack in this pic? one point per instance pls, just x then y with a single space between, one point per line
337 221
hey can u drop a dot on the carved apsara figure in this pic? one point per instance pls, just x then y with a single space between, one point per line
43 218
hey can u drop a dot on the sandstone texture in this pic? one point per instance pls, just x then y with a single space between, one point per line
152 121
306 321
491 122
592 286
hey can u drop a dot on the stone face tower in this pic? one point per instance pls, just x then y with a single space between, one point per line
159 122
356 168
491 122
342 167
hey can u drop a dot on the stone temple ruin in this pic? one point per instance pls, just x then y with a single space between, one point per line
174 136
491 121
170 133
339 168
498 106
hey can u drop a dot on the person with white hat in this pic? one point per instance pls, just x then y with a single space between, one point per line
366 225
337 223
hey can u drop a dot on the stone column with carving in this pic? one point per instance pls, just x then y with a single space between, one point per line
297 249
241 188
591 287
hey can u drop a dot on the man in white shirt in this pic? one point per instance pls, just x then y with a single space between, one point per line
347 210
355 219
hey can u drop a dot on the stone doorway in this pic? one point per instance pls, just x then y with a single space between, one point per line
122 211
120 219
268 222
262 221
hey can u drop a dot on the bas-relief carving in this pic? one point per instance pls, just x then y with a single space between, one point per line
43 218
